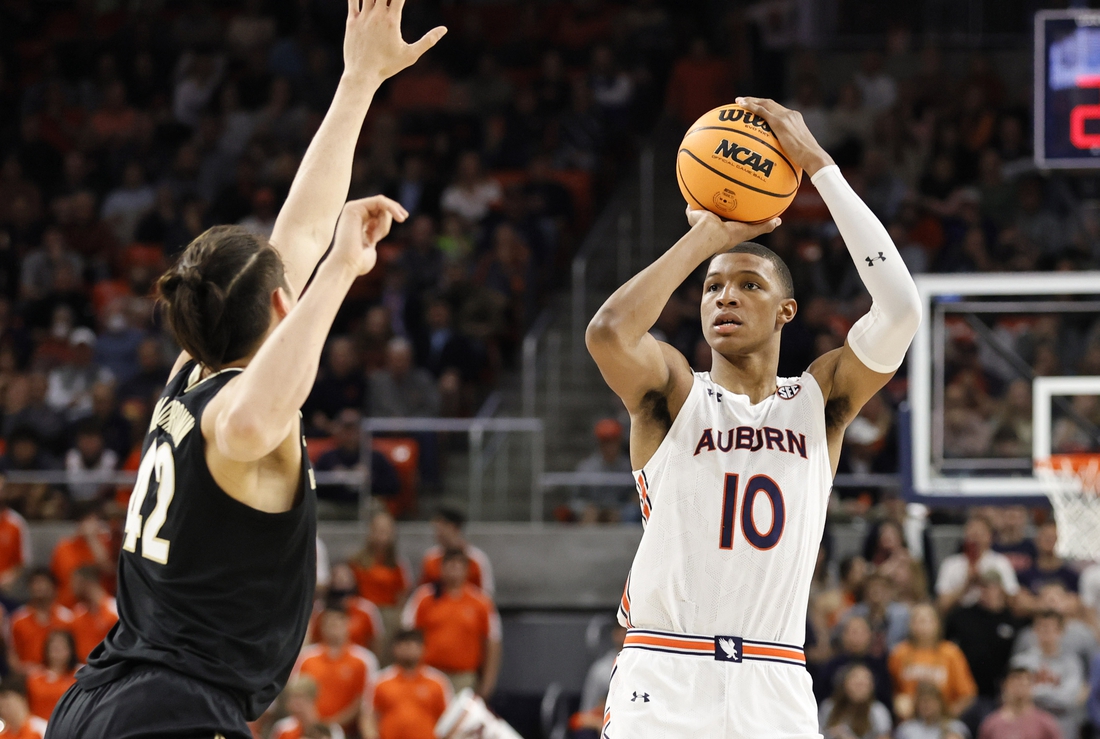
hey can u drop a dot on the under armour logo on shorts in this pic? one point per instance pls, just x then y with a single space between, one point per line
643 696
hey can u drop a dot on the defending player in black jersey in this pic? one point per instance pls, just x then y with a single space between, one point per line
217 571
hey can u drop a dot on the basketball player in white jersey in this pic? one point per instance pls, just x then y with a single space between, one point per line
734 466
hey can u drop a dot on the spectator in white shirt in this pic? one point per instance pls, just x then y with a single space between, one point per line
959 580
472 194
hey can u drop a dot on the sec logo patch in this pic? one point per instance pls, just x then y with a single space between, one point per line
787 391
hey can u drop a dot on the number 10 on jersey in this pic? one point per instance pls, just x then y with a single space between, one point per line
757 485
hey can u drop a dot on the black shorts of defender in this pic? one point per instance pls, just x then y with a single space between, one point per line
150 702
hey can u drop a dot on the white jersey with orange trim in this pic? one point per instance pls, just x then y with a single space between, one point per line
734 503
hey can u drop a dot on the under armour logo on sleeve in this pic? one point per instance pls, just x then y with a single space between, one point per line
871 260
643 696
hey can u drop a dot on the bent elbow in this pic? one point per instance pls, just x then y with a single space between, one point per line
243 437
602 330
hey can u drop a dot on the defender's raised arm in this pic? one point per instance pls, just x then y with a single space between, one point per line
373 52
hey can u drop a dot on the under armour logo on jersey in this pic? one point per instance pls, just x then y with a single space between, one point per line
787 391
728 648
871 260
643 696
710 392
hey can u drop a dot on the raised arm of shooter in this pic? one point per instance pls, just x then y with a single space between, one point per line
373 52
258 409
653 378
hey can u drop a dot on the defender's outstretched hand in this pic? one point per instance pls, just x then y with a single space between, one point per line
731 233
798 143
363 223
373 47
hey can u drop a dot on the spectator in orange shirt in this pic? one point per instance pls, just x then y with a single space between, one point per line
90 546
383 577
301 704
448 524
46 684
14 712
460 624
926 657
95 611
409 697
31 624
344 672
15 544
364 621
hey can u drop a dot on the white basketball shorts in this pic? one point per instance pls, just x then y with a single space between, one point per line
672 686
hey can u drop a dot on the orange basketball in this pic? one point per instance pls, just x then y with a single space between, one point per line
731 164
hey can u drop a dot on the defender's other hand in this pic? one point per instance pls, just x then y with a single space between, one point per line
730 233
798 143
363 223
373 47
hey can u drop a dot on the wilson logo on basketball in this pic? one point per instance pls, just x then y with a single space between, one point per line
725 200
732 115
743 155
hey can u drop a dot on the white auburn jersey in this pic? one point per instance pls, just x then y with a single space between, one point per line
733 505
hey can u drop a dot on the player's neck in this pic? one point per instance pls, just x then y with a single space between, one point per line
747 374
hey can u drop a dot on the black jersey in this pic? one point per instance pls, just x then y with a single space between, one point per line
208 586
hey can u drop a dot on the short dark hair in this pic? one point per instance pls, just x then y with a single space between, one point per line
408 635
452 516
216 297
786 282
454 554
68 637
1052 615
42 572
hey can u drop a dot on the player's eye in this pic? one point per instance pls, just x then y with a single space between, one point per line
751 286
712 288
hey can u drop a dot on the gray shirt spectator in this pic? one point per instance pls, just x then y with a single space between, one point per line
400 389
1059 677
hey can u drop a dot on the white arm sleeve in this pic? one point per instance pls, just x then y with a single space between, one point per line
880 338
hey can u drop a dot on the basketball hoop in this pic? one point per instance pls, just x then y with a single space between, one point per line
1072 482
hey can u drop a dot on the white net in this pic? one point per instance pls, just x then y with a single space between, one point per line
1072 482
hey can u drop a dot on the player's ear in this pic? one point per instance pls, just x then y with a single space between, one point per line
788 308
281 302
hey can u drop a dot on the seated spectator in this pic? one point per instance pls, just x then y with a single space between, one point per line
1077 636
35 500
466 647
1089 587
301 704
444 349
48 682
344 672
94 614
598 677
70 385
25 407
90 455
90 545
116 347
15 544
416 193
855 646
1018 716
985 633
608 503
421 258
448 524
959 580
152 373
409 697
853 572
41 265
1057 674
852 712
34 622
1047 566
106 415
402 389
340 384
382 576
364 621
345 457
891 558
888 619
926 657
16 715
1011 536
930 720
471 194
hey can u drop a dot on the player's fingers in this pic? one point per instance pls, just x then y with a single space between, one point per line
428 40
353 8
766 227
397 5
394 208
694 215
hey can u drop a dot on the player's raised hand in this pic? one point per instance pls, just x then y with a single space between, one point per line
373 47
732 232
798 143
363 223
